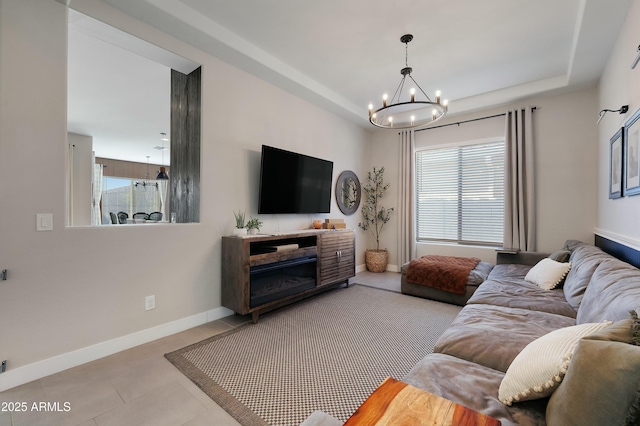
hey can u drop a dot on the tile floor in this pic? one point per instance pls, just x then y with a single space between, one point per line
137 386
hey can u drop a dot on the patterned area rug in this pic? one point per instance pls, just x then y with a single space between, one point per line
325 353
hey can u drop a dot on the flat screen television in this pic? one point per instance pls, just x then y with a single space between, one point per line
294 183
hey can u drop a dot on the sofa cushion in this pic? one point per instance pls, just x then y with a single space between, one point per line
542 364
509 271
500 290
479 274
584 261
613 291
548 273
473 386
494 335
601 385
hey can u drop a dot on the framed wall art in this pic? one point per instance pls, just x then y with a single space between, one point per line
616 148
631 136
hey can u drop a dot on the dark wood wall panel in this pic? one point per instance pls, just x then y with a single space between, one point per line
129 169
185 145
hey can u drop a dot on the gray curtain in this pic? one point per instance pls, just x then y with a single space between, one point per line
406 210
519 198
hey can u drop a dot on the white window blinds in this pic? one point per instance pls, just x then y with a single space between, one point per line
460 194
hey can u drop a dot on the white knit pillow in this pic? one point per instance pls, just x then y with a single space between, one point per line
548 273
540 367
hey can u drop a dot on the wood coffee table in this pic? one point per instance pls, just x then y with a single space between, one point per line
398 403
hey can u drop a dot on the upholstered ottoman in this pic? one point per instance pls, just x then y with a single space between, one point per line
476 277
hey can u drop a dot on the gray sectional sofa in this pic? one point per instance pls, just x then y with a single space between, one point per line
507 313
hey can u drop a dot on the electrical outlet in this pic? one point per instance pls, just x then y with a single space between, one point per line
149 302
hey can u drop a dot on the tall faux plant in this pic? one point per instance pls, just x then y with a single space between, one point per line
374 215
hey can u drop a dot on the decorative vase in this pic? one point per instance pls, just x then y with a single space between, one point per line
376 260
253 231
317 224
238 232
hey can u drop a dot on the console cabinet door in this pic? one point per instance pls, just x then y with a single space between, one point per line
337 257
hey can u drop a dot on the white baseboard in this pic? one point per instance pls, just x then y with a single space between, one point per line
390 268
393 268
37 370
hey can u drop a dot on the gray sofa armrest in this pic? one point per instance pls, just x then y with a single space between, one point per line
320 418
521 257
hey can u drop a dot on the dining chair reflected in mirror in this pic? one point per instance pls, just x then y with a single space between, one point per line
156 216
114 218
141 215
122 217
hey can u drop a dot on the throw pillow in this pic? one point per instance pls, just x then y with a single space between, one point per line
619 331
635 328
547 273
561 256
539 368
600 387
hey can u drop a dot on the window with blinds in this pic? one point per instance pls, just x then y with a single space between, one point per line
460 194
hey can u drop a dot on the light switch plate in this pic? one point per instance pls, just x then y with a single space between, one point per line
44 222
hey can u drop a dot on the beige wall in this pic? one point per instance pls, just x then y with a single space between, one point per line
80 179
566 172
619 219
75 294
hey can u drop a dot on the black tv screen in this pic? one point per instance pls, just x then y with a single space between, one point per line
294 183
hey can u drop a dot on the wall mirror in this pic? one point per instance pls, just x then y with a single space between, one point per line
121 128
348 192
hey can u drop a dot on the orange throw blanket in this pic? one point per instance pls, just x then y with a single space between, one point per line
447 273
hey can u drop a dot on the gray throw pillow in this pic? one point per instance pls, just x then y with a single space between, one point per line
601 384
561 256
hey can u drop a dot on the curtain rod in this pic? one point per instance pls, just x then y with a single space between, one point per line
468 121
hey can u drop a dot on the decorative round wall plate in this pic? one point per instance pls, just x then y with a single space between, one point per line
348 192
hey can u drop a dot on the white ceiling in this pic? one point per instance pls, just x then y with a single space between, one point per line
342 54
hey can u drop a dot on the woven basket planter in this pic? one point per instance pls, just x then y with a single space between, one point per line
376 260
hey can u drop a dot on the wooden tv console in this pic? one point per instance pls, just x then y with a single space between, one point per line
265 272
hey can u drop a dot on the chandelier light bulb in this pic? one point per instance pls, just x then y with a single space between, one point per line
411 113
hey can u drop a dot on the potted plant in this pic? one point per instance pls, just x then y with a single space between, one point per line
253 225
374 217
239 229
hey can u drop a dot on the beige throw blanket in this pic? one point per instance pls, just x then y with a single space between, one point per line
447 273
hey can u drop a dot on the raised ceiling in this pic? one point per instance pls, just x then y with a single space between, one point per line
342 54
346 53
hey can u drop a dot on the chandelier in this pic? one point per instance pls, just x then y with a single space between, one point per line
407 112
145 183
